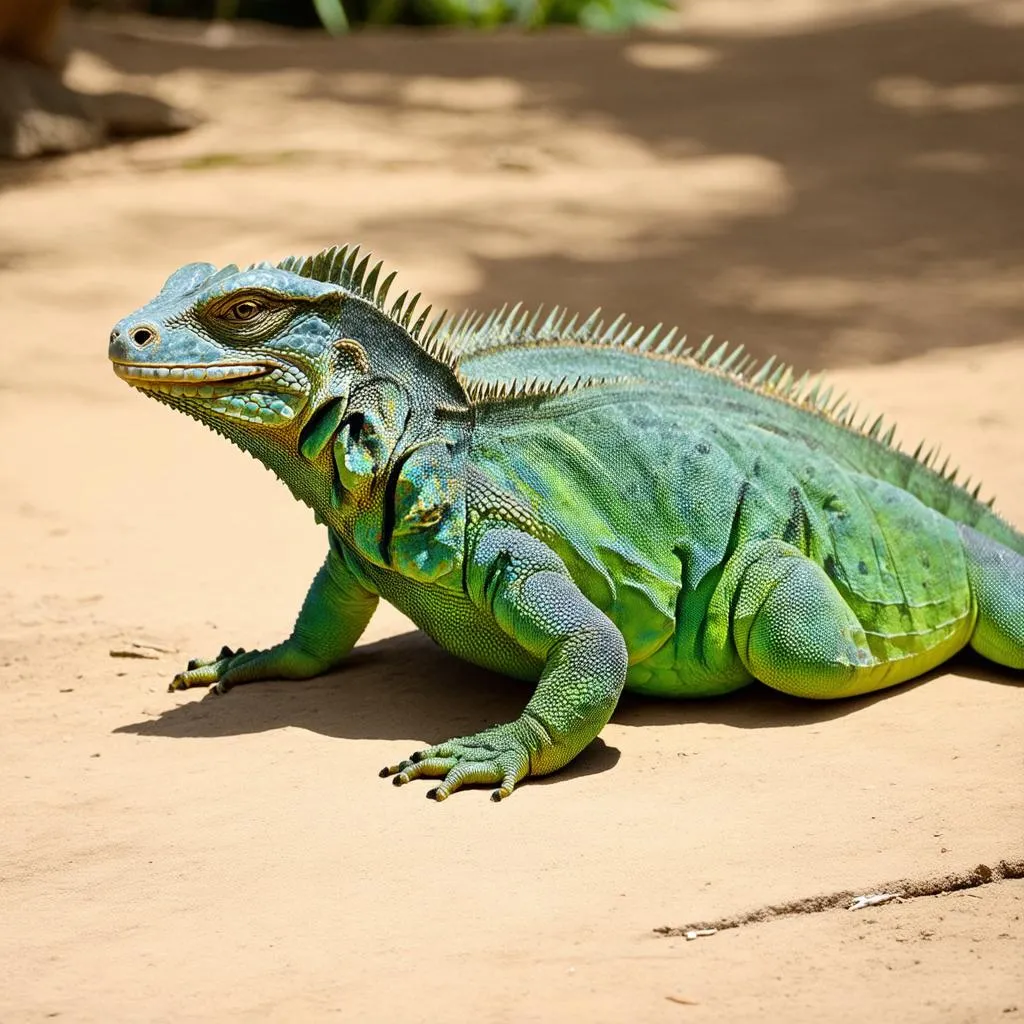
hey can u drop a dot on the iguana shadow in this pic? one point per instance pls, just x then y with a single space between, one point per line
406 688
759 707
401 688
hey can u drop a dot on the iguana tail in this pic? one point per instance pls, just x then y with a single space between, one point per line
957 503
997 583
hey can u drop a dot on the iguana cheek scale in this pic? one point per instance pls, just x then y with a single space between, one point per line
588 507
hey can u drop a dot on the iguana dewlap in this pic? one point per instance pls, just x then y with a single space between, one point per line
584 506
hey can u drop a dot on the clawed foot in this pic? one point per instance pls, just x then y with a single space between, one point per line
495 756
212 672
231 668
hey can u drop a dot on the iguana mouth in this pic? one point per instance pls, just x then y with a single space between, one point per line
150 374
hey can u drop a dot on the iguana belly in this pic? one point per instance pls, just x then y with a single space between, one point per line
455 623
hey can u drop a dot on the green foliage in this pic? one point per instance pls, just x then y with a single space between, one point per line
615 15
337 16
602 15
332 14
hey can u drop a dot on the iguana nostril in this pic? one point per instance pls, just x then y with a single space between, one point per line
143 336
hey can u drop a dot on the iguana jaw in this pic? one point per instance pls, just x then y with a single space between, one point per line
189 379
256 393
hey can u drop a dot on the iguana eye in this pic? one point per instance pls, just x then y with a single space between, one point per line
244 310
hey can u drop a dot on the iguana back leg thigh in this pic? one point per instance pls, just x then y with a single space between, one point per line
794 631
997 582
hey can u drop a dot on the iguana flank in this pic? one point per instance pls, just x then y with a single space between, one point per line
586 507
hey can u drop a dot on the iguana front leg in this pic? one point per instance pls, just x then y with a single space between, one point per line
333 615
527 589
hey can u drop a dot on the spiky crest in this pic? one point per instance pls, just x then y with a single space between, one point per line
475 334
341 265
503 391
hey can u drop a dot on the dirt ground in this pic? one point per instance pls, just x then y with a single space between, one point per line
842 184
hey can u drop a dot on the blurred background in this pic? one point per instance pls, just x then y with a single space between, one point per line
838 181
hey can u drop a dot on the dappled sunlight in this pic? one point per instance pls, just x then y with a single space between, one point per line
477 94
832 188
918 96
671 56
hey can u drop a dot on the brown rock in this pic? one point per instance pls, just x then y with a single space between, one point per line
40 115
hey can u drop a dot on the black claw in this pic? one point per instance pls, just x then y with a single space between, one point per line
383 773
397 780
418 756
496 796
432 793
192 664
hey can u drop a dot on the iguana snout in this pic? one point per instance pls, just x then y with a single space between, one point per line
226 345
249 386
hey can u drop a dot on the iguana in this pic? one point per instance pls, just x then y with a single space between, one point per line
588 507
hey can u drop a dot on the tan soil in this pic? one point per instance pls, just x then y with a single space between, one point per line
844 188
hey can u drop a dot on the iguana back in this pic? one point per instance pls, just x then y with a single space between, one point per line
509 347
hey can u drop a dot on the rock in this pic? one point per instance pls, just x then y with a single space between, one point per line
40 115
132 114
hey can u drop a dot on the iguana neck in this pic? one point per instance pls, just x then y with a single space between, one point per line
383 466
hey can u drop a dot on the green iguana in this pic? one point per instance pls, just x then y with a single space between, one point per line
589 507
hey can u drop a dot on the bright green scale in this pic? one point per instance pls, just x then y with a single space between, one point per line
635 514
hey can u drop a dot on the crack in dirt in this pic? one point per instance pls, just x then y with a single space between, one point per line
907 888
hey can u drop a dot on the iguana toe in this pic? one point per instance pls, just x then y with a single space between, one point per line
473 760
226 654
198 673
287 660
212 672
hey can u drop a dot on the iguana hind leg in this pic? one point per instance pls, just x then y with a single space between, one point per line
997 581
794 631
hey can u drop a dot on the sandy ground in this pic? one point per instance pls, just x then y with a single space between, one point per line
842 185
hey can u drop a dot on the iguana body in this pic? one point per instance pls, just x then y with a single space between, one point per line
635 514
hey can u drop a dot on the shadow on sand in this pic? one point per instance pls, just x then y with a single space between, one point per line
406 688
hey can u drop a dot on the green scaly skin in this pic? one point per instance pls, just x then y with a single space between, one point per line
636 515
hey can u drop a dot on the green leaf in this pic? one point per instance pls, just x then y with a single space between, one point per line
332 14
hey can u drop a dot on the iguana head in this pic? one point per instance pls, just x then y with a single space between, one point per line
254 352
234 349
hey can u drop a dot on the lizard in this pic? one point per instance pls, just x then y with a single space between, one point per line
590 507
